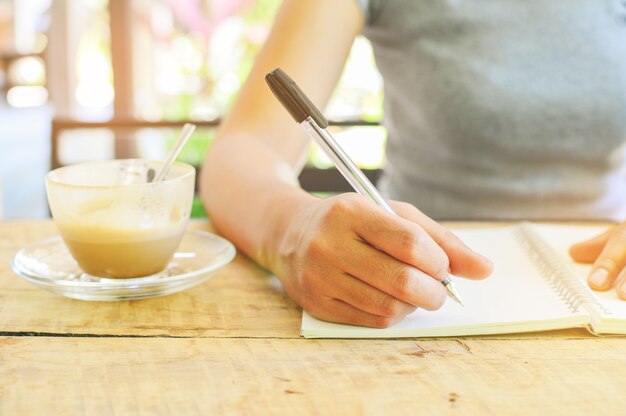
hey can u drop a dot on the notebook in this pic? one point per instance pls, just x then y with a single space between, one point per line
535 286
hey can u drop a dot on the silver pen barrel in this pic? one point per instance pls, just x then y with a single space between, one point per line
357 178
346 166
313 121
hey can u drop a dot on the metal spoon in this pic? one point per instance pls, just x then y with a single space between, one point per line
184 135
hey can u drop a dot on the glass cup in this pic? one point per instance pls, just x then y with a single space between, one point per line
114 222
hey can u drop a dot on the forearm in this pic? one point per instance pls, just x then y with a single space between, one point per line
249 179
250 195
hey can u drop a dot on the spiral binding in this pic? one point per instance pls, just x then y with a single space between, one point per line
556 271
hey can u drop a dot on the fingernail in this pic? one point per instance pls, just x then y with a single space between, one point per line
622 288
598 277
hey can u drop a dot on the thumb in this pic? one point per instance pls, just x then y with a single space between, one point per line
589 250
464 261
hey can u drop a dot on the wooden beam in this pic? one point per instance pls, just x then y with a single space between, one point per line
120 12
59 56
122 57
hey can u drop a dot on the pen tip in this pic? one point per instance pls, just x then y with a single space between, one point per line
454 295
452 292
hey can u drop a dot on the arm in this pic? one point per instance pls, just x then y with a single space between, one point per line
321 249
259 151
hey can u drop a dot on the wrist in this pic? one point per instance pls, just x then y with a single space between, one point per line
286 203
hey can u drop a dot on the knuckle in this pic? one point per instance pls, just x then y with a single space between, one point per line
410 242
316 248
388 307
403 281
382 322
441 268
341 206
435 300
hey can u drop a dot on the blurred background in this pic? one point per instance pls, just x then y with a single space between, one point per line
99 79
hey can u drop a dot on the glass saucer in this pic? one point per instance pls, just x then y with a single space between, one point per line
49 265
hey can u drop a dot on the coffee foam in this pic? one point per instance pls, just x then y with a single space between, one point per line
111 220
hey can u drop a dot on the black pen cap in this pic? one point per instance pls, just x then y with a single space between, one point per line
293 99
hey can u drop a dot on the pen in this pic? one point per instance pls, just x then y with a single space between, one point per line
314 123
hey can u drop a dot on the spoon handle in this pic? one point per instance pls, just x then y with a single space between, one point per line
186 132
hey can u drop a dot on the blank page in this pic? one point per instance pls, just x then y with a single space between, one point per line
515 298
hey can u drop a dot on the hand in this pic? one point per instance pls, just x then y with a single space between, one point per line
607 252
329 265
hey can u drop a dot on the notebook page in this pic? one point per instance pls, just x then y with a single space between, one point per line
516 298
559 238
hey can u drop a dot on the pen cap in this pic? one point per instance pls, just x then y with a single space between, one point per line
293 99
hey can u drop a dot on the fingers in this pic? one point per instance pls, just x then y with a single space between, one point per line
463 261
403 240
620 285
369 299
348 260
610 261
608 253
393 277
588 251
351 301
335 310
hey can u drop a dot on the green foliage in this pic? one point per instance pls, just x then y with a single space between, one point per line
180 108
197 146
246 43
197 209
262 11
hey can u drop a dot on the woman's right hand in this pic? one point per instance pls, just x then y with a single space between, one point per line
345 259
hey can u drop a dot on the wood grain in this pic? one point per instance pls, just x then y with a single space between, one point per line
232 345
239 300
159 376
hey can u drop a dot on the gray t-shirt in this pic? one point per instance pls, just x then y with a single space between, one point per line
504 109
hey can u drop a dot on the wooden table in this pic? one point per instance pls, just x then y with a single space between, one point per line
232 345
